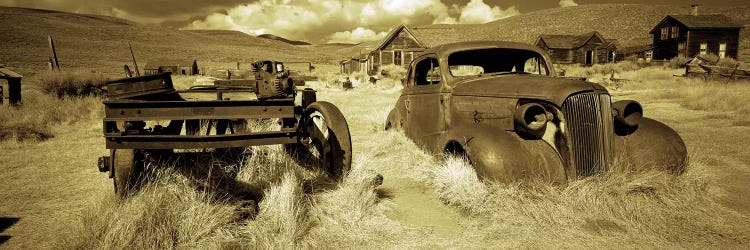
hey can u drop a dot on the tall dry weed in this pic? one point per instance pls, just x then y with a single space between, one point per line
72 83
639 209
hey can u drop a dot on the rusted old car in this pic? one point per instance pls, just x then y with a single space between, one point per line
501 105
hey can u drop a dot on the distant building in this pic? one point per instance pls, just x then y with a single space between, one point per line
401 45
353 65
635 52
586 49
11 91
692 35
177 67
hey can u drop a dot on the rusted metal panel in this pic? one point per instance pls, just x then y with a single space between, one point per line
286 136
182 110
140 86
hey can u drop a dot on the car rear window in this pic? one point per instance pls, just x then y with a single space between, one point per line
496 60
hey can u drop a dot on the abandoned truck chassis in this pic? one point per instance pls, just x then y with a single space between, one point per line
135 102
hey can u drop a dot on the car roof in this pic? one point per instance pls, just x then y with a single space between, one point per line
446 49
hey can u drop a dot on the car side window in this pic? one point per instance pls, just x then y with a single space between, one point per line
426 72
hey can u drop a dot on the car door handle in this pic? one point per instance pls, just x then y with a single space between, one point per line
407 103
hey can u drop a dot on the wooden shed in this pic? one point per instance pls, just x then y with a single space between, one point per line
11 91
353 65
177 67
692 35
586 49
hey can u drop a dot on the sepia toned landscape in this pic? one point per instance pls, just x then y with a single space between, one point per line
396 194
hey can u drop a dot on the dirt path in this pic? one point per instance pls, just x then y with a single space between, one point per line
45 185
417 205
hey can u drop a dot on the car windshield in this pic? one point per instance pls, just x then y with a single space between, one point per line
482 62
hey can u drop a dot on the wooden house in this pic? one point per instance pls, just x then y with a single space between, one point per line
177 67
643 52
692 35
586 49
403 43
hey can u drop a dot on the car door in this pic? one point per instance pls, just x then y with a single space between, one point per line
425 119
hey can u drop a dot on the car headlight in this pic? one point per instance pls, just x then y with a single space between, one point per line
628 112
531 117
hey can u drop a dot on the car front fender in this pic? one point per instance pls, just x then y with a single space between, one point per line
393 120
503 156
652 145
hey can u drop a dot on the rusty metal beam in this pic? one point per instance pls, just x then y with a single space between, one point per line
286 136
126 110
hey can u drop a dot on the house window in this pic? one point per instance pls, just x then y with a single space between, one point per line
664 33
722 50
397 57
704 48
387 57
675 31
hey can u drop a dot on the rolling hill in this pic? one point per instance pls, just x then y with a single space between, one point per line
619 21
281 39
100 43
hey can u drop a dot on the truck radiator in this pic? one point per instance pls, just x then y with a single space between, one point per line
590 132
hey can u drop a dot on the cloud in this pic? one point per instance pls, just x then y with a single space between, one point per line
310 20
567 3
344 20
476 11
357 35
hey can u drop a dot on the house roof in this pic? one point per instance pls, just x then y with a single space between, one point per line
445 50
571 41
438 34
160 62
713 21
428 36
635 49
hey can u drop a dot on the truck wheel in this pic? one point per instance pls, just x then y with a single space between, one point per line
325 139
124 172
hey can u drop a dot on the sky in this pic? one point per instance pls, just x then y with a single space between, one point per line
319 21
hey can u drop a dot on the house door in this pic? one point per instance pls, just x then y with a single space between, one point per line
589 57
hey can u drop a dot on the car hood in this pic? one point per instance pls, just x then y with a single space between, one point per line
552 89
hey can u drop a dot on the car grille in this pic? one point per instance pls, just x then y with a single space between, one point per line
590 129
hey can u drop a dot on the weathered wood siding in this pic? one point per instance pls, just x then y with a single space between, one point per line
713 38
669 48
403 45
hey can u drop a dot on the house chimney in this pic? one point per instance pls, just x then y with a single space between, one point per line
694 9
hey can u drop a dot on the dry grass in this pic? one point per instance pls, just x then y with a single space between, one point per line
72 83
35 119
167 213
649 209
197 203
598 70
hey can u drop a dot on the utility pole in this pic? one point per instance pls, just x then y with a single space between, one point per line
54 63
135 64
